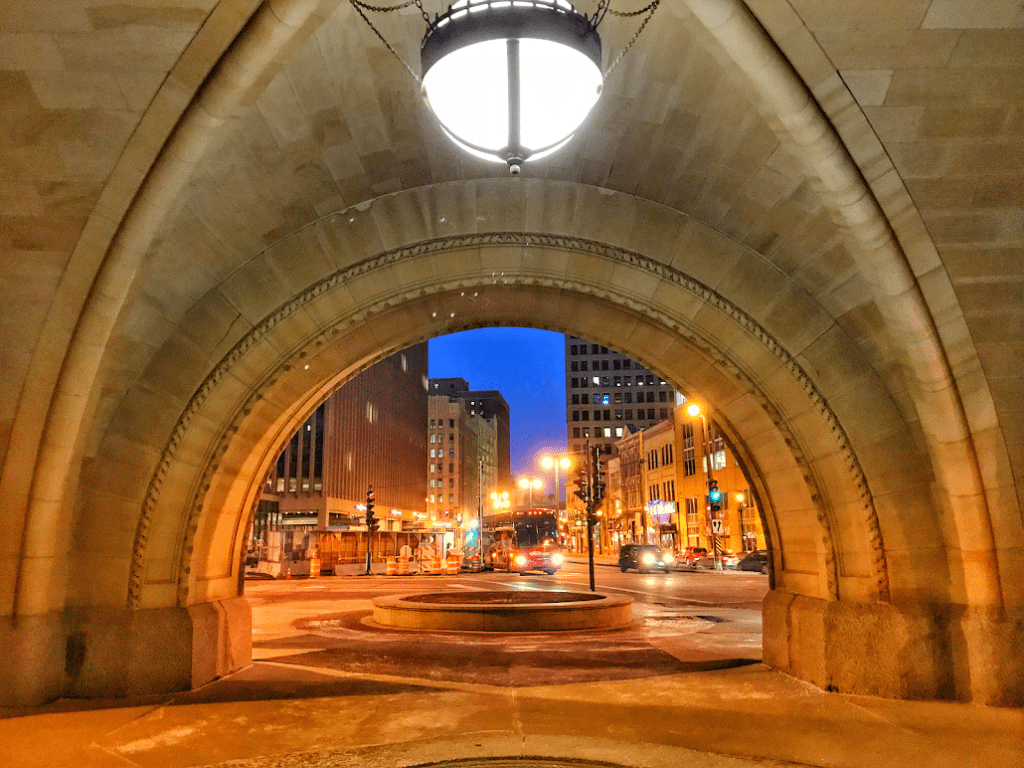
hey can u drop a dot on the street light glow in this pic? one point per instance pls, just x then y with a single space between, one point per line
693 410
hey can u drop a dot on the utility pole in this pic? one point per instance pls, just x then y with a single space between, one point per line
596 497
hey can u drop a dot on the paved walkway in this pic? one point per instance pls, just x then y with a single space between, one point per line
330 690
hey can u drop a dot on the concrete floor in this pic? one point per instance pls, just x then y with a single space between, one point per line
682 687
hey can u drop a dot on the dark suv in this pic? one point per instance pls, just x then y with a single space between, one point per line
644 557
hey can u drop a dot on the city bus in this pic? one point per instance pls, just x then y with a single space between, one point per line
525 540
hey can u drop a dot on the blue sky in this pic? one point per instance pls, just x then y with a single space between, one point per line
528 367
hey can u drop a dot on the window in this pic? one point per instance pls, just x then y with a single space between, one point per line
575 431
431 453
586 432
650 379
451 437
618 415
617 365
618 431
650 398
663 413
451 453
431 498
627 364
617 397
432 484
604 365
604 350
650 414
607 414
627 381
629 414
451 423
451 498
451 467
585 415
572 350
604 381
607 431
594 349
617 380
575 415
596 381
451 482
575 366
585 400
663 396
627 397
576 399
689 462
597 415
432 422
575 383
605 400
433 468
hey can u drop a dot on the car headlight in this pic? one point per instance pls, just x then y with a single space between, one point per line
648 558
557 559
669 557
520 559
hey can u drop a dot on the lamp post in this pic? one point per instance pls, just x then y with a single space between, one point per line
556 462
529 483
693 410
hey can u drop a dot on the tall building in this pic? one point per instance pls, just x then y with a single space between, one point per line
607 395
491 405
462 453
368 432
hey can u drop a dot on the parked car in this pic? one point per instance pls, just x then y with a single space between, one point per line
729 561
755 561
691 555
645 557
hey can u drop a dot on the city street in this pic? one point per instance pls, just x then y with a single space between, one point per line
683 622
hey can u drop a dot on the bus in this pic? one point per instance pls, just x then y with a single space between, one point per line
521 541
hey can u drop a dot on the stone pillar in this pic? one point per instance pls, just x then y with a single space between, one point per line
908 651
114 654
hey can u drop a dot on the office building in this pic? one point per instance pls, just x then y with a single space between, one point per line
461 459
491 405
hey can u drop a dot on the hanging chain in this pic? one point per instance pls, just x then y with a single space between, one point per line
360 6
649 10
626 14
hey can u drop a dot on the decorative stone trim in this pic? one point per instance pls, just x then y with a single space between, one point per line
518 240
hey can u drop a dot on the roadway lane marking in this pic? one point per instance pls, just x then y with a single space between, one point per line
687 600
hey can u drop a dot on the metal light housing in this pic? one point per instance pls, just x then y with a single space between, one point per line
511 80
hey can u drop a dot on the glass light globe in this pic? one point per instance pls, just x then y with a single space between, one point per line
511 81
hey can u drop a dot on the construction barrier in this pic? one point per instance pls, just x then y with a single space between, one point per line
453 565
390 567
314 567
403 566
434 566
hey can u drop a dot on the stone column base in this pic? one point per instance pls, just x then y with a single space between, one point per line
115 654
917 651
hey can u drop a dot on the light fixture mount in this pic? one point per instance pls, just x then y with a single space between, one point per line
511 80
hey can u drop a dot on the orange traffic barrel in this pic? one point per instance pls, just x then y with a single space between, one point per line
314 567
403 566
434 566
453 565
390 568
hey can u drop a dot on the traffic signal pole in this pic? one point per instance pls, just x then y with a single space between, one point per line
590 515
371 524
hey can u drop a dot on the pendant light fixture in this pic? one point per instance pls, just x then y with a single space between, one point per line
512 80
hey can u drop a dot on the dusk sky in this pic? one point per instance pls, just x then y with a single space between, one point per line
528 367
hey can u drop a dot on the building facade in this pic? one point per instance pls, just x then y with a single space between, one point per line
491 405
368 432
659 493
462 459
607 395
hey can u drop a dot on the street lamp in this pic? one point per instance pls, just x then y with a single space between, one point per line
556 463
693 410
500 501
529 483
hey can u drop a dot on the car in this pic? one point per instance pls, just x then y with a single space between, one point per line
645 557
755 561
730 560
727 561
691 555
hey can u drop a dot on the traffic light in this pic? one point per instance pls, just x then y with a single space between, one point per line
598 486
371 521
714 496
582 484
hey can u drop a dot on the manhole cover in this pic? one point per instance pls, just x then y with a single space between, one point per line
518 762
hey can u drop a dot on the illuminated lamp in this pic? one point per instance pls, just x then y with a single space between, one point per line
511 80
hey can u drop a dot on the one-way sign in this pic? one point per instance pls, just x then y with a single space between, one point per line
716 527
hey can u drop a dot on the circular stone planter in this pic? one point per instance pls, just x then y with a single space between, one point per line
504 611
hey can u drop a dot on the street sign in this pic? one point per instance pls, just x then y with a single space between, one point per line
716 527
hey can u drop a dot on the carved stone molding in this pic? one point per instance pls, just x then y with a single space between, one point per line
636 304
